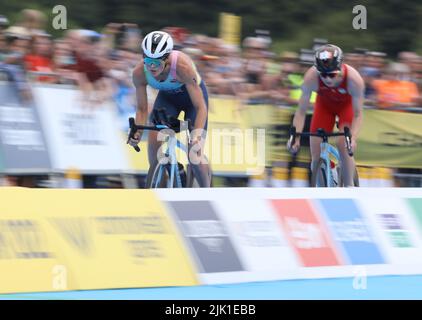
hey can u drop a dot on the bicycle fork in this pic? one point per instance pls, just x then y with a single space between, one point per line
326 150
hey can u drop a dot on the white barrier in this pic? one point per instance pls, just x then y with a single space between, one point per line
242 235
80 136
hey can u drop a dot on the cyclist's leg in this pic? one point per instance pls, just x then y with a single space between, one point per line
322 118
161 102
348 163
200 170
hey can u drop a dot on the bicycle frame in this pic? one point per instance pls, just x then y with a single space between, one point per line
327 150
170 155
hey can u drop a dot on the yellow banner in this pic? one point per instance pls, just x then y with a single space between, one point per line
230 28
54 240
233 146
390 139
387 138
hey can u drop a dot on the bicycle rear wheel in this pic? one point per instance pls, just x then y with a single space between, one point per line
355 178
319 175
157 176
191 181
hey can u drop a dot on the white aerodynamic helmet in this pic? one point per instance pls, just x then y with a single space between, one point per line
157 44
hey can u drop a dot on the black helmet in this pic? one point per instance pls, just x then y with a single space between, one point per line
328 58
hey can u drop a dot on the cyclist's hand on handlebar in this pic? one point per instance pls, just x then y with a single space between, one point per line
350 145
293 149
134 141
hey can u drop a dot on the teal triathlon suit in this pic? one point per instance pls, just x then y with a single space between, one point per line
173 95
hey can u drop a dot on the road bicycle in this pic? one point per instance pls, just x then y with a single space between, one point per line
167 171
328 172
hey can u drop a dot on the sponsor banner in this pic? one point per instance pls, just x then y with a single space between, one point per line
387 138
138 161
88 239
351 232
275 122
258 239
390 139
233 147
416 206
207 237
29 260
327 234
307 235
80 136
394 228
22 142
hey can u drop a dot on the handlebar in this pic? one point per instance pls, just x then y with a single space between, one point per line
134 127
157 127
324 135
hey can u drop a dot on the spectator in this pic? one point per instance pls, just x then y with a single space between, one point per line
122 89
255 64
224 73
412 60
371 69
392 91
355 60
90 64
64 64
40 60
34 21
17 42
254 60
291 79
4 23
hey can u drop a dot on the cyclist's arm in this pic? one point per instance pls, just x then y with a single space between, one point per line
188 76
310 83
356 88
140 83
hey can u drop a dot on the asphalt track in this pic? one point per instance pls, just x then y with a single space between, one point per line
379 287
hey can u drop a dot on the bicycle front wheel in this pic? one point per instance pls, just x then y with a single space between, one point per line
319 175
159 176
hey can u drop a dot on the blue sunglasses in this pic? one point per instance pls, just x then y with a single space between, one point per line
152 62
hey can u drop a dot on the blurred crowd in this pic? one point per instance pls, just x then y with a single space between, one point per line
100 63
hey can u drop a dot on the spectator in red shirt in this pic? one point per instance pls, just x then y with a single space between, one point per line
90 62
40 58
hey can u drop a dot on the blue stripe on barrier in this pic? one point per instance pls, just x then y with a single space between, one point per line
379 287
